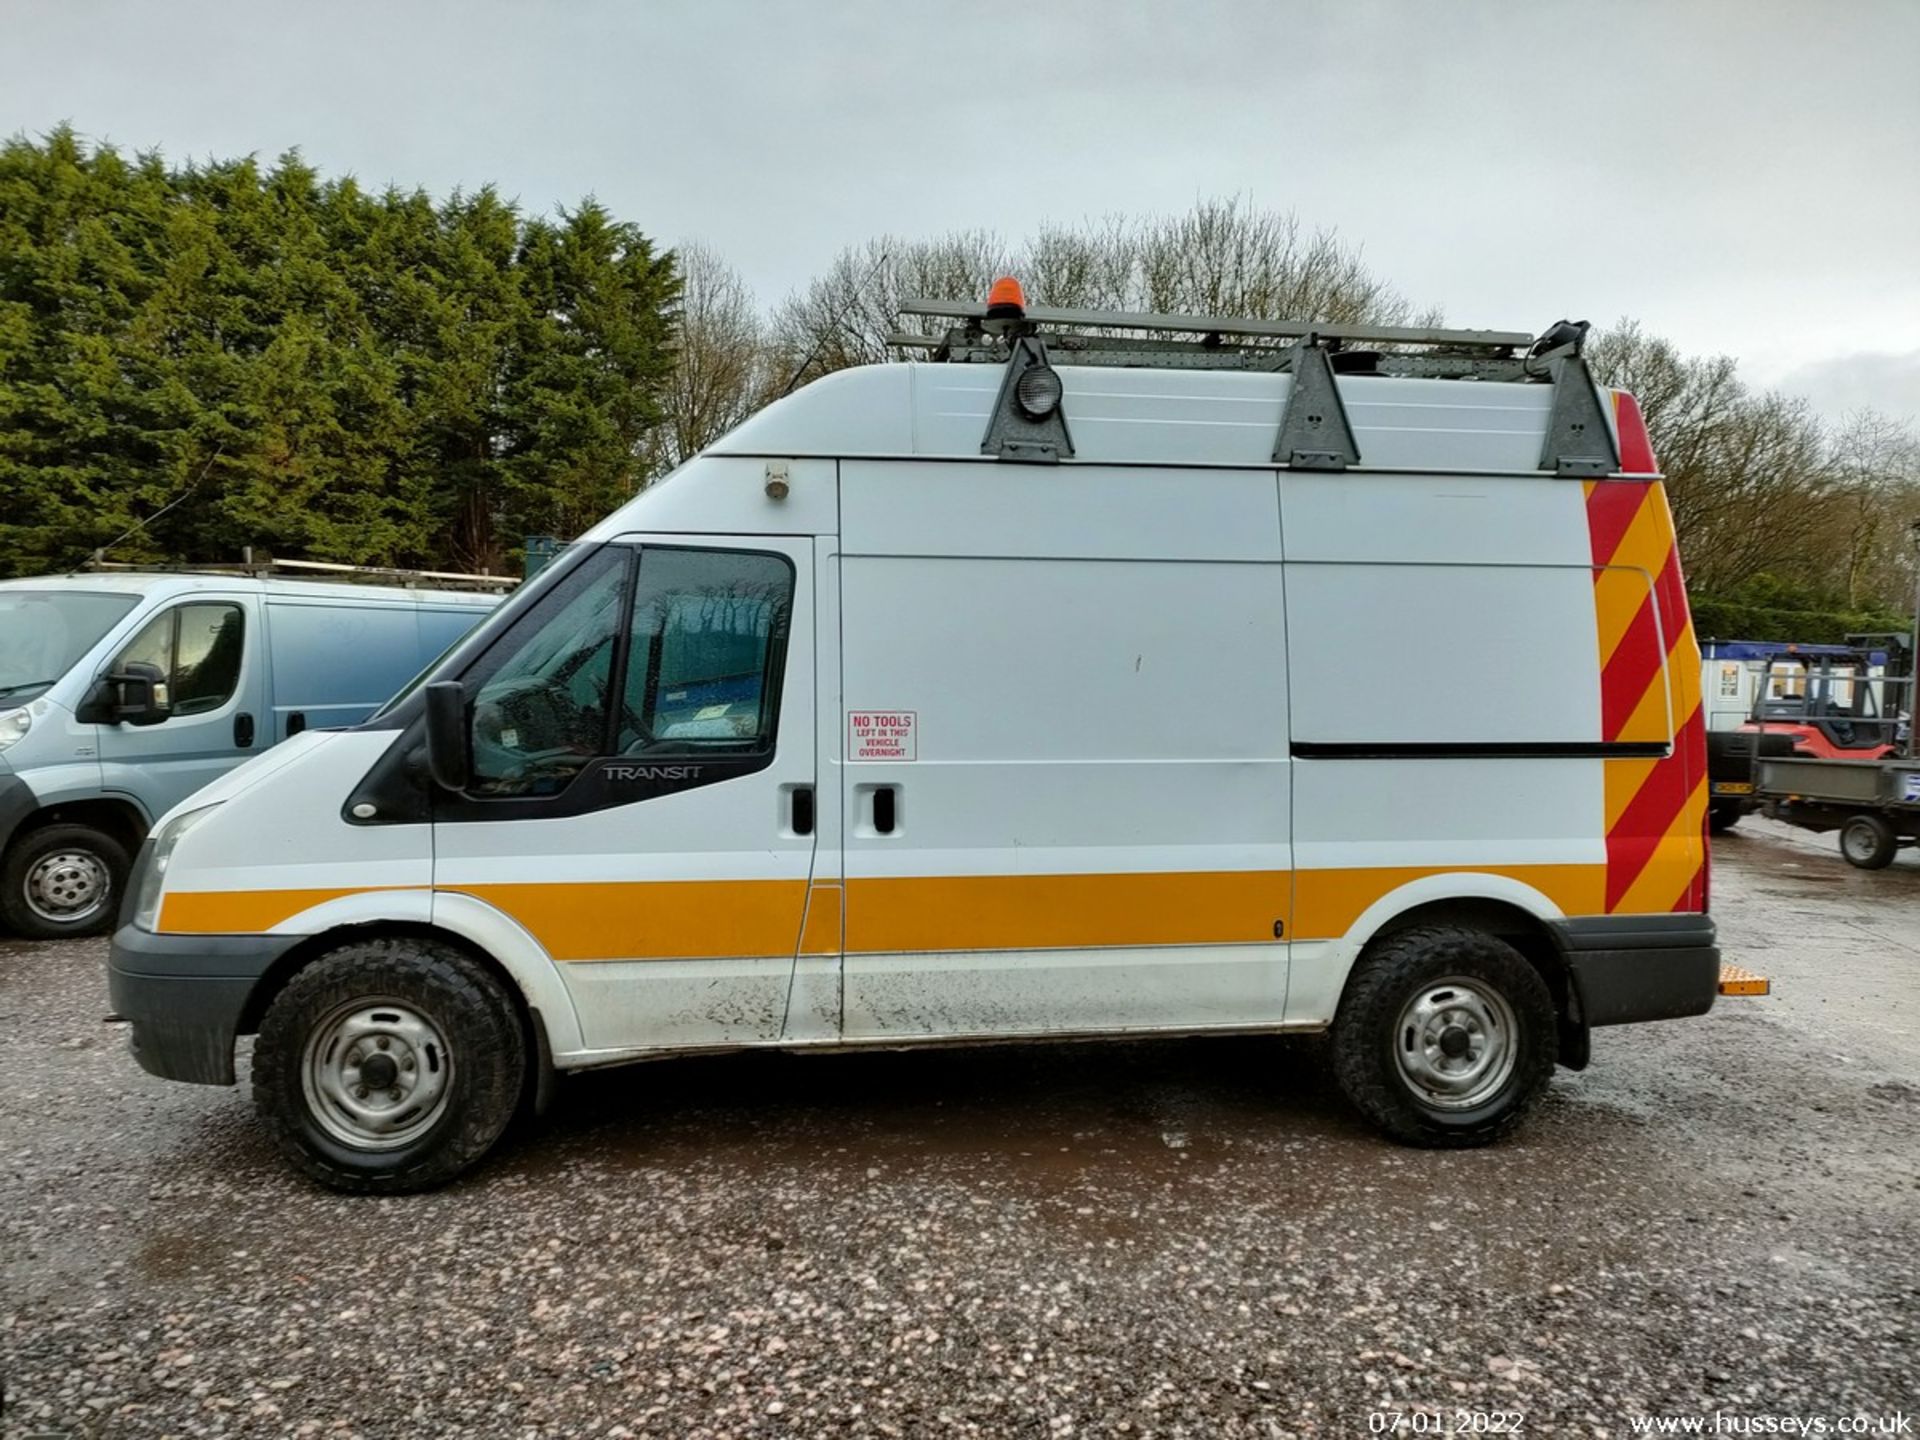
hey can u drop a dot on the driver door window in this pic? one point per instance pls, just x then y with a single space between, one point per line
689 664
197 648
699 675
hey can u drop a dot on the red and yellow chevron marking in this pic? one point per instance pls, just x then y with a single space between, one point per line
1655 809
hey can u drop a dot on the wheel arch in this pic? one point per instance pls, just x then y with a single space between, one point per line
123 820
1497 905
546 1026
1524 930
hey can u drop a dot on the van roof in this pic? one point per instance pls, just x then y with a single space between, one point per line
1174 417
182 583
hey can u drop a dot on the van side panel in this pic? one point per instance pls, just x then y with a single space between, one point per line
1535 614
1446 706
1090 824
337 661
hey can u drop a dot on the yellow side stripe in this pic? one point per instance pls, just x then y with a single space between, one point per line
718 919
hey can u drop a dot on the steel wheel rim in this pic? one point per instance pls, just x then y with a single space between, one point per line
67 886
1858 841
377 1073
1456 1043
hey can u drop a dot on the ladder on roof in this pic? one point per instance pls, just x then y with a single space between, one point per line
1314 431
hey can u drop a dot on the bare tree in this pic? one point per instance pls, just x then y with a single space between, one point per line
843 317
1758 485
1874 465
1223 257
1746 472
724 370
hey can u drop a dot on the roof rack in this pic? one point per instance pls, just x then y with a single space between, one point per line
1029 422
266 567
1215 342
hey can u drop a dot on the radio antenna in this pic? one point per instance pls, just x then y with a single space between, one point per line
141 524
838 319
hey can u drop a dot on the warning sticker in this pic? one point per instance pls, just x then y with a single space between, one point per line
880 734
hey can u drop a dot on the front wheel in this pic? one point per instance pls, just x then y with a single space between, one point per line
1868 842
1445 1036
389 1066
62 880
1723 815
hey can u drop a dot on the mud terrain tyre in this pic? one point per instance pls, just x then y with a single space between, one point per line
389 1066
1445 1036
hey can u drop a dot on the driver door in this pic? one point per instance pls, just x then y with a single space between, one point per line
208 649
642 748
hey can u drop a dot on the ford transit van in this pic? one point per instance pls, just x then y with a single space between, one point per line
1036 691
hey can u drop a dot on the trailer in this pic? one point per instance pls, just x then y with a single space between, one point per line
1874 804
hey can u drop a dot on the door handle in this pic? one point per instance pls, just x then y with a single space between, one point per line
801 818
243 730
885 809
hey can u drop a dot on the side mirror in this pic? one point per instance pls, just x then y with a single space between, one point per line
138 694
447 754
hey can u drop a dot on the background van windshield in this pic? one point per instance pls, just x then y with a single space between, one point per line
42 634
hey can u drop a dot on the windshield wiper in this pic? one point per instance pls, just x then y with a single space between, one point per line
24 685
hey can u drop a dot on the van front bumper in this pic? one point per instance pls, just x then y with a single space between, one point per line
1629 968
184 996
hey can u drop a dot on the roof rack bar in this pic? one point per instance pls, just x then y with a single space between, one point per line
257 568
1225 325
386 571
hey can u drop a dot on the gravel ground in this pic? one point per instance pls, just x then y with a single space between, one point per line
1169 1238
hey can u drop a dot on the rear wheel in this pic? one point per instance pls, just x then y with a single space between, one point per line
1723 815
1869 842
389 1066
62 880
1445 1036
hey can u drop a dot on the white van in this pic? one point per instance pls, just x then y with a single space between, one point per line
123 693
1202 684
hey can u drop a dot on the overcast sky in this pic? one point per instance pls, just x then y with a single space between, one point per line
1740 176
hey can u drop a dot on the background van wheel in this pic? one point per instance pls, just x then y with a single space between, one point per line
1445 1036
1723 815
389 1065
62 880
1869 842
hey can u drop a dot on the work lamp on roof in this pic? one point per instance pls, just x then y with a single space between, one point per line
1038 392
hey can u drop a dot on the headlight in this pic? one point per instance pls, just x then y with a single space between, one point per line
151 881
14 724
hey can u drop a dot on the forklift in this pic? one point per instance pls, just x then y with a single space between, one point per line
1861 776
1811 702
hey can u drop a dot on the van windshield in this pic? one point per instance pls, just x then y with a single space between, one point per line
43 632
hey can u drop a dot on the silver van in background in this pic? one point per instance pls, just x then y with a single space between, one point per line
122 694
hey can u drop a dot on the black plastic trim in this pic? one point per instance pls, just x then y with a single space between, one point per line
1483 750
17 802
1632 968
1630 932
184 995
